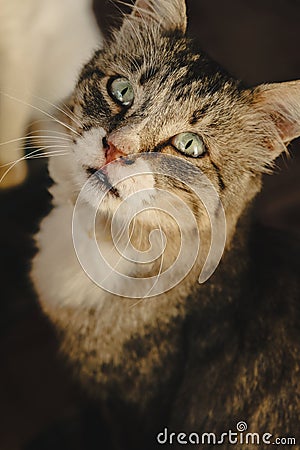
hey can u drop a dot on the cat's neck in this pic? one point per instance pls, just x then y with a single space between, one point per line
118 322
97 323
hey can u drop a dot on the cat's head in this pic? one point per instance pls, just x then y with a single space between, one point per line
152 90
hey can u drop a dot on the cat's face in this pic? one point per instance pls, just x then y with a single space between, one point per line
151 90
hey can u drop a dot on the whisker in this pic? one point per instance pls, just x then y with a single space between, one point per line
37 138
59 109
38 148
123 14
34 152
72 113
47 155
63 133
54 133
12 165
43 112
37 121
53 119
133 28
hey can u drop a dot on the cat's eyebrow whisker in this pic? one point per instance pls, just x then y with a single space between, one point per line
40 110
114 4
140 42
134 62
142 11
149 29
132 26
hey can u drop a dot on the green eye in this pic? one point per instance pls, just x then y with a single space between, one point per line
190 144
121 90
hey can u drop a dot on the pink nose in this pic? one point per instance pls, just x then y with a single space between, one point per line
112 153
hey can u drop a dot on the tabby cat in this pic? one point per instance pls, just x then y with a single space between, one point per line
193 358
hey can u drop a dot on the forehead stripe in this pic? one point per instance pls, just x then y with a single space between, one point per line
90 71
148 74
198 114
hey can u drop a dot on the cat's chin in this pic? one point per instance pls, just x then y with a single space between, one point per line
99 180
101 200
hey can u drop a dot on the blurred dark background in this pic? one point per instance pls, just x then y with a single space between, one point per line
257 41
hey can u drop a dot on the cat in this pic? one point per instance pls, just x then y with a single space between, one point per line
194 358
41 51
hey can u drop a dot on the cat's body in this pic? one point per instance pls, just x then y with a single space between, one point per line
42 46
194 358
186 367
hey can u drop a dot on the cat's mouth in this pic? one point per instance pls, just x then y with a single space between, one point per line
101 178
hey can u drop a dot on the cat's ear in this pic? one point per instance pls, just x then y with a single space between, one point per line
169 14
281 102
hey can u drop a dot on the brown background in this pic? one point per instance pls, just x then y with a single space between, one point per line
255 40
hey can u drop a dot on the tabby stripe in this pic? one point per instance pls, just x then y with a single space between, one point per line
89 71
220 179
95 103
136 64
148 74
198 114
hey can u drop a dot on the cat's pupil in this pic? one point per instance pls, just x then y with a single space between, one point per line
189 144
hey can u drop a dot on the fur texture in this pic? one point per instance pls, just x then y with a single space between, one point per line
196 358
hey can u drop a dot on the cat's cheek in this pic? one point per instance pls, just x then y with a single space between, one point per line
88 149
